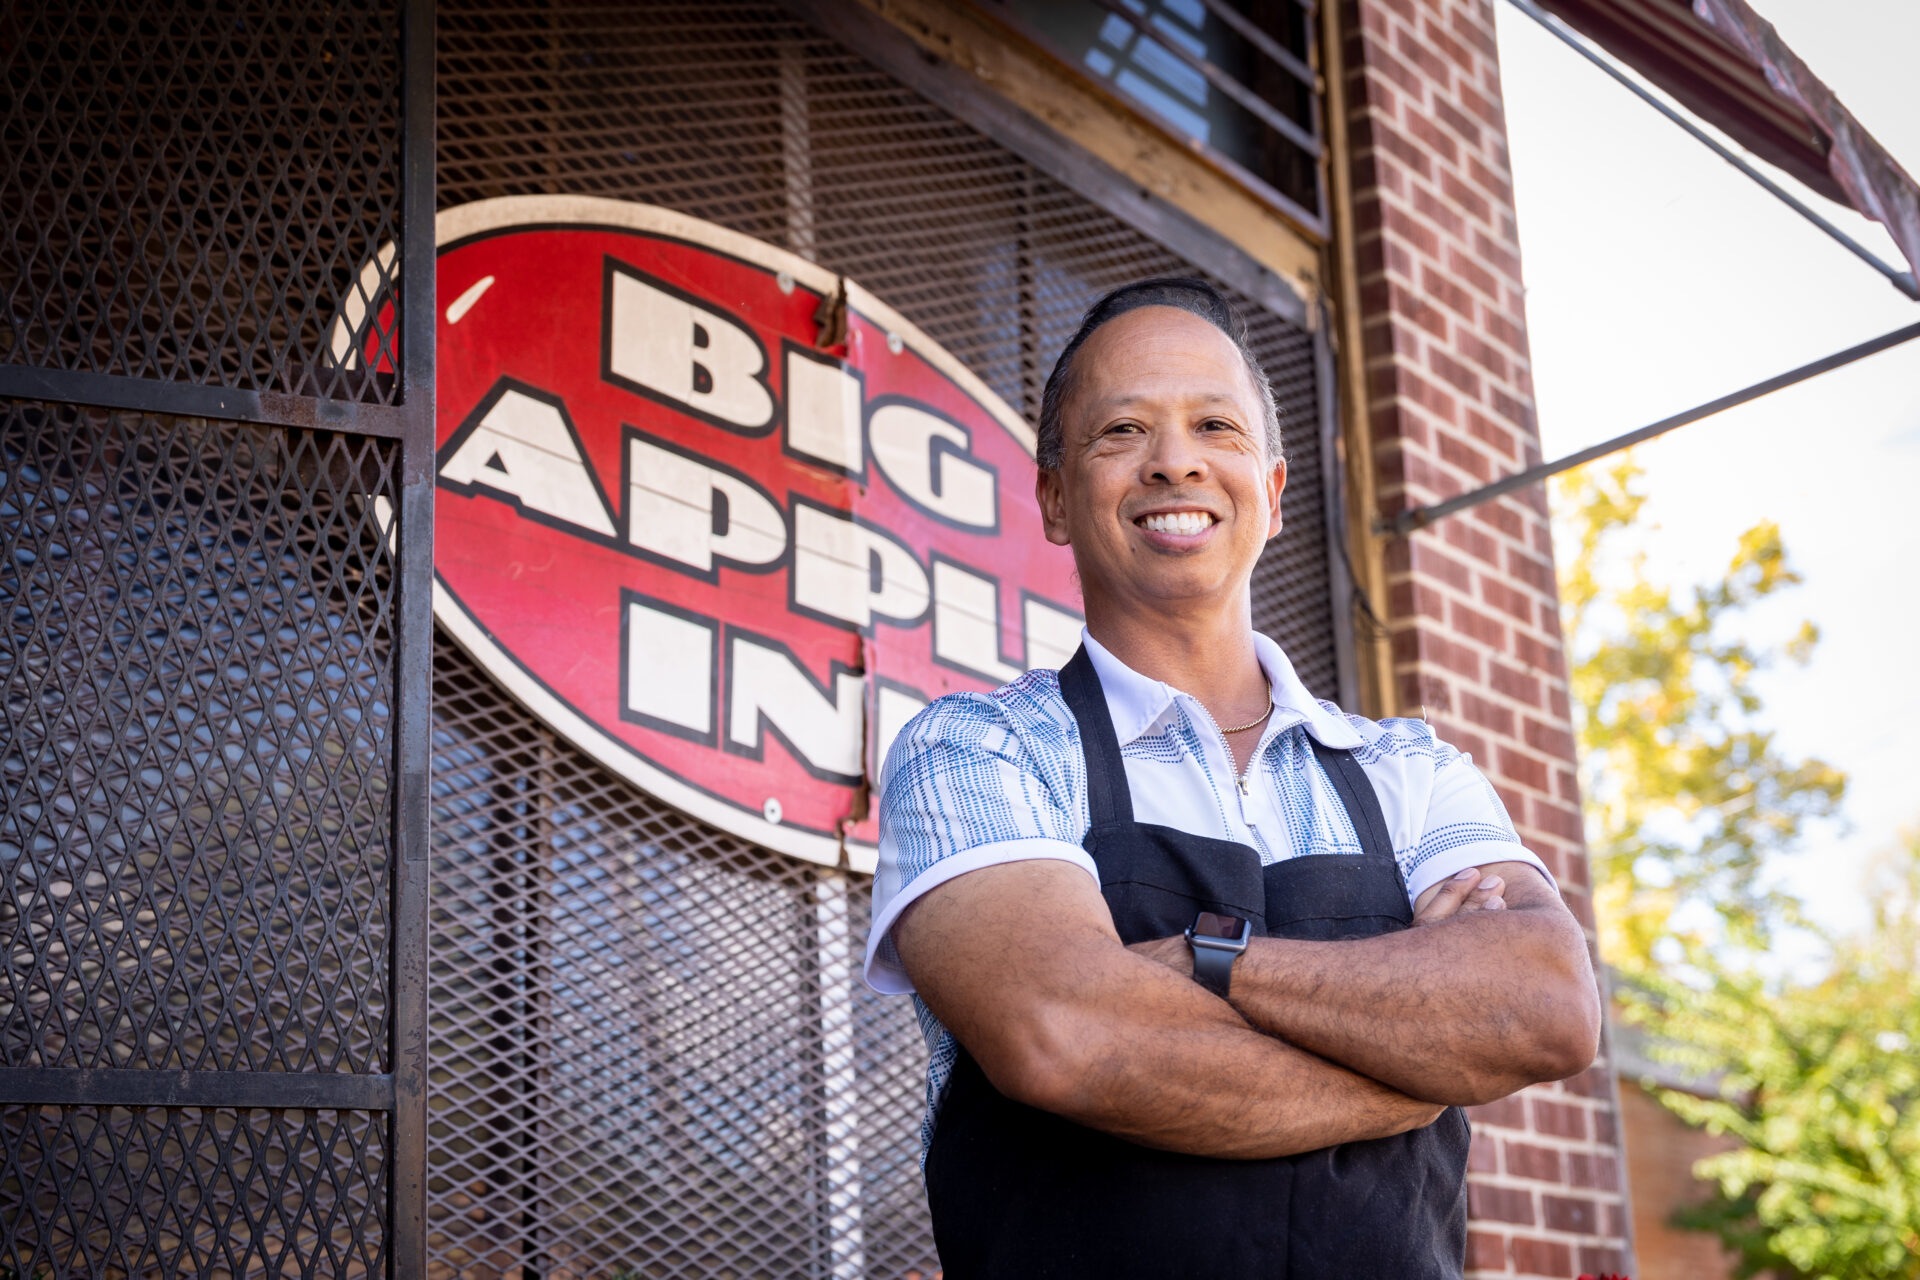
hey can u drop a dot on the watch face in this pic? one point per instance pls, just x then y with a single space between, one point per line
1209 925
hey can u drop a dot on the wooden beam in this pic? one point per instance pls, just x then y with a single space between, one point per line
1379 697
1160 184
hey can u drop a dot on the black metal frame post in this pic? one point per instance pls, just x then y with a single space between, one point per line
407 1257
1333 482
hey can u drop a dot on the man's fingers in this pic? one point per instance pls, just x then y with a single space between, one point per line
1445 898
1486 895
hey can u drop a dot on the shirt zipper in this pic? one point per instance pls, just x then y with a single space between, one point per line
1241 777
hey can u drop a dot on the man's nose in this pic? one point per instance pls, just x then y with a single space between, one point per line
1174 458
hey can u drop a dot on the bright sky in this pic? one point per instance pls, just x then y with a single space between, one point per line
1658 278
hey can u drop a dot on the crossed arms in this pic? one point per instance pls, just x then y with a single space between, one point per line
1324 1042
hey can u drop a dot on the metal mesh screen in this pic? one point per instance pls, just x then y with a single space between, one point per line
653 1052
196 683
192 189
172 1191
194 691
204 695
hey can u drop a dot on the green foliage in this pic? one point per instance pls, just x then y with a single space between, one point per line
1689 798
1687 793
1820 1083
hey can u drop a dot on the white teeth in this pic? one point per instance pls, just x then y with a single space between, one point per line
1178 522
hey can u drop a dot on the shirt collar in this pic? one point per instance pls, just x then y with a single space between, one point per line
1137 703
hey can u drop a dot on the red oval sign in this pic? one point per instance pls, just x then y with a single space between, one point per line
720 531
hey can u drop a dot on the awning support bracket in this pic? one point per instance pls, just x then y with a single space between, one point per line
1413 518
1902 280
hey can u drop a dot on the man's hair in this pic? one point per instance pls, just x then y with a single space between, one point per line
1184 292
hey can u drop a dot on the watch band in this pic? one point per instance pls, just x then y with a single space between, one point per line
1213 966
1213 956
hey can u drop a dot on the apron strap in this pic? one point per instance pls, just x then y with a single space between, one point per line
1108 798
1357 794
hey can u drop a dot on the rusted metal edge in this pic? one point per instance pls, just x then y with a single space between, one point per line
189 400
1904 281
1665 42
133 1087
1872 179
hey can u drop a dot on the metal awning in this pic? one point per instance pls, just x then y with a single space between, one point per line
1727 66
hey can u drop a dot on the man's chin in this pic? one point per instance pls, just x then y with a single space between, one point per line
1177 584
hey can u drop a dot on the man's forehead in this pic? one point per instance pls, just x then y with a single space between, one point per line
1160 353
1159 320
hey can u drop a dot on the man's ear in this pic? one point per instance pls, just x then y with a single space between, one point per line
1276 485
1053 505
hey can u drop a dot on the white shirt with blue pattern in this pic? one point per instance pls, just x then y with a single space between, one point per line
978 779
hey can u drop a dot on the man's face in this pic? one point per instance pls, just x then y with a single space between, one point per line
1165 490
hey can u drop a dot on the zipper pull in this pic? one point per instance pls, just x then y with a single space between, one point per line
1243 785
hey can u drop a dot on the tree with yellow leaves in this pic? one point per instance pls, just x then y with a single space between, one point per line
1688 795
1690 798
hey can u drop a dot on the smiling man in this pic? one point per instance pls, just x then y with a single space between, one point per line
1207 967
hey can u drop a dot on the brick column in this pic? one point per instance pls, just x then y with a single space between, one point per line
1471 604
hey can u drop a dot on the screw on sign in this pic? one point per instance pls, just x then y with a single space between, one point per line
726 563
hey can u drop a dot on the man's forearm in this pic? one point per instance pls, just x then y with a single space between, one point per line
1463 1011
1181 1072
1070 1021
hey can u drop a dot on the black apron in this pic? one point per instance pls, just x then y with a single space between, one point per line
1018 1193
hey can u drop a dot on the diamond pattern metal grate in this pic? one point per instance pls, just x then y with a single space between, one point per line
217 1193
199 671
195 701
193 188
652 1051
653 1054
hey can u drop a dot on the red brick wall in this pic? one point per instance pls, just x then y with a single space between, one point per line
1661 1151
1472 608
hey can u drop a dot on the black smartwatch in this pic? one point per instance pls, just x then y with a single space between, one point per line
1217 942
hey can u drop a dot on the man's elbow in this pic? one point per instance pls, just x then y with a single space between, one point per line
1554 1040
1571 1041
1042 1059
1561 1039
1562 1033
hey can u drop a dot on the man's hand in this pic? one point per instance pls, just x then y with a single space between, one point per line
1468 890
1021 962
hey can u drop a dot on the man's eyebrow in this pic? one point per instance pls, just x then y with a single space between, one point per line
1124 400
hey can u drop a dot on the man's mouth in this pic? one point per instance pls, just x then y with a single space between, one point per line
1177 522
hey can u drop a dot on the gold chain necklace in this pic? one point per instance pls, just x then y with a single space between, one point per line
1257 719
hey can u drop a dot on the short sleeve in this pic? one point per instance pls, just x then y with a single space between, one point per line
971 782
1466 825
